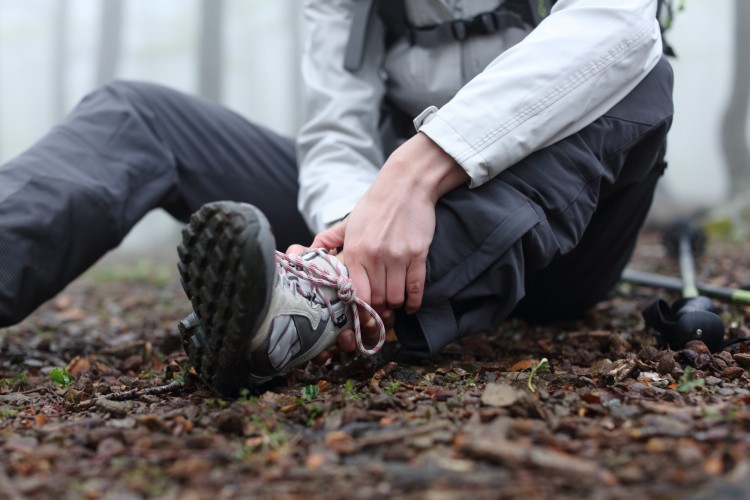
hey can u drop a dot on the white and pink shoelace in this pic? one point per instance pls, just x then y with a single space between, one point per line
346 292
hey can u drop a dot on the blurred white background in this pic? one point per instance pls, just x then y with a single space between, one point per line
53 52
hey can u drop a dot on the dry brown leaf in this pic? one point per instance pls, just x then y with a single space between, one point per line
78 365
524 364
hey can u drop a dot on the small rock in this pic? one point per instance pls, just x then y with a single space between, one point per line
742 359
115 408
500 395
732 372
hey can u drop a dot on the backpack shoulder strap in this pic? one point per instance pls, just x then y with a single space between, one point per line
393 14
362 18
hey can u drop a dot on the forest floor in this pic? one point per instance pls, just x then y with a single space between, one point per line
97 400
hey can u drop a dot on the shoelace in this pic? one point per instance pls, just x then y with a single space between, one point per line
318 277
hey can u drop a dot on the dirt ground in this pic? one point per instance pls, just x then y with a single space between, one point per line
97 401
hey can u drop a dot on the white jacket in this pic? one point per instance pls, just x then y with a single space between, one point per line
488 101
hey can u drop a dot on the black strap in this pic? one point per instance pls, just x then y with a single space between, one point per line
461 29
361 20
393 14
509 14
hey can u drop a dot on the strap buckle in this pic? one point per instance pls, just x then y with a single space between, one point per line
460 30
488 22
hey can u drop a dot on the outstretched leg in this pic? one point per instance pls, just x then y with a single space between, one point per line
128 148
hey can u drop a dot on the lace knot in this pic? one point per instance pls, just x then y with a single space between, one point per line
345 290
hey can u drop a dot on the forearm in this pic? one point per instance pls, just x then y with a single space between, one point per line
577 64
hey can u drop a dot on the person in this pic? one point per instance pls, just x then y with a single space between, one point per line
518 191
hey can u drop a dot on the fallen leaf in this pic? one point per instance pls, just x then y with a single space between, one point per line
524 364
78 365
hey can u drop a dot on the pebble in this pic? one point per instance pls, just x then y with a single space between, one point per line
114 408
732 372
742 359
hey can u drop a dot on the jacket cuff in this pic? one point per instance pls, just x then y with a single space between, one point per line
430 123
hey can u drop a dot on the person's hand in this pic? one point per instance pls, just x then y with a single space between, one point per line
388 234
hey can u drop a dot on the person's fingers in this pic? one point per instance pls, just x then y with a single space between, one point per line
415 277
346 341
294 250
331 238
360 281
323 357
395 288
376 280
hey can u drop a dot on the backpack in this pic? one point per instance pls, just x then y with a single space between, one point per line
511 13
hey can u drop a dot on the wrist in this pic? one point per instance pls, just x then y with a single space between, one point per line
425 168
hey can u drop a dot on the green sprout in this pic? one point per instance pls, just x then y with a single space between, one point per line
688 382
393 387
61 376
350 391
542 366
310 392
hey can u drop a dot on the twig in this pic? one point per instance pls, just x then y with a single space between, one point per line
382 373
134 393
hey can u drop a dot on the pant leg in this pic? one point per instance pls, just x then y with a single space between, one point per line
128 148
562 222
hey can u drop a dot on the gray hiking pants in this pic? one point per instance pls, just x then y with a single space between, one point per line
546 238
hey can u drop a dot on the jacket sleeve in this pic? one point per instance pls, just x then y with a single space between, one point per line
578 63
338 147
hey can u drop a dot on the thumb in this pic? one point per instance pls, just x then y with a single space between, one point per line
332 237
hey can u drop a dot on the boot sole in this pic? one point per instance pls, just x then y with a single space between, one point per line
227 269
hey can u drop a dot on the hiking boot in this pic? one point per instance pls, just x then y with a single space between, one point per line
258 312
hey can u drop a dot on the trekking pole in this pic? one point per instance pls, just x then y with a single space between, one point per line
653 280
693 317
